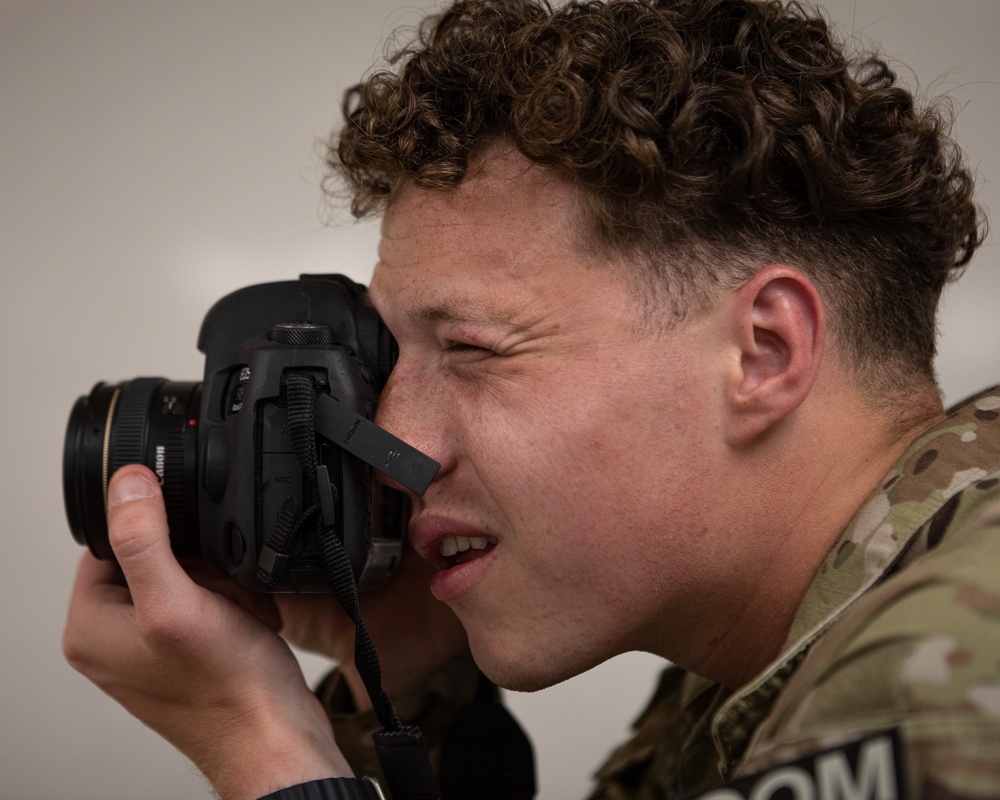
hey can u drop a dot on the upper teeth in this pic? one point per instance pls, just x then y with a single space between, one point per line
451 545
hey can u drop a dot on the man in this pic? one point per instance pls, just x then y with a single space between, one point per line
664 279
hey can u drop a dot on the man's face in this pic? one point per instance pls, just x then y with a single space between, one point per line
576 443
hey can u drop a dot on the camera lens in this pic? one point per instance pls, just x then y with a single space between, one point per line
149 421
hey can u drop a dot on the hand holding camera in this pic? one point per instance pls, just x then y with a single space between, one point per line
205 670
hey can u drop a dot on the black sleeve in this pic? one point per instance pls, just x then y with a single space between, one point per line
477 748
328 789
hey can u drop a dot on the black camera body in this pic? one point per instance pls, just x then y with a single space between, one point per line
273 451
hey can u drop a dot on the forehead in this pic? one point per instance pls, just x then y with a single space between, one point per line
502 191
505 223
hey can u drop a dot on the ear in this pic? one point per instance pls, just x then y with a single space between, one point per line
779 328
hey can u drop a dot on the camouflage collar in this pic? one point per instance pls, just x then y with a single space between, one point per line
897 523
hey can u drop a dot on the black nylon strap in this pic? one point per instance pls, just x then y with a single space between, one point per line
336 564
302 420
338 570
275 550
401 749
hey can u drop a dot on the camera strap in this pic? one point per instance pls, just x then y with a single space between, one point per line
400 748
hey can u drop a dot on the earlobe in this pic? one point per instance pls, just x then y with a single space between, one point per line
779 324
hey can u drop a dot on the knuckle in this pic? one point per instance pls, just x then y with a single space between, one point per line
131 535
76 650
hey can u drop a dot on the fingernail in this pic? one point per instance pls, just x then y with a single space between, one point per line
129 487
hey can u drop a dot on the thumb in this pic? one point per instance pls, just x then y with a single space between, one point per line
139 536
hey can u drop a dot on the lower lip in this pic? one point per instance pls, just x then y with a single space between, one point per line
447 584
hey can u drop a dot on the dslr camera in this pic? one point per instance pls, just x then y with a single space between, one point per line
267 464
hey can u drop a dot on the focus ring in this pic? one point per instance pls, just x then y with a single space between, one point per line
128 444
173 478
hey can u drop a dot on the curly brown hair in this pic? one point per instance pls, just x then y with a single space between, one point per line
707 136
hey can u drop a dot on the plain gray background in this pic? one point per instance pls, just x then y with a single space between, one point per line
154 156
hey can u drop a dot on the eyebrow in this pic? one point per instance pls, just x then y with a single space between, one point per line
448 312
438 313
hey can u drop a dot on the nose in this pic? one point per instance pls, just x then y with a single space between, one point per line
410 407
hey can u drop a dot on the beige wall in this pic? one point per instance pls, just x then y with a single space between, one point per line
154 156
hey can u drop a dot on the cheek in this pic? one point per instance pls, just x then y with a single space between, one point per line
565 474
593 468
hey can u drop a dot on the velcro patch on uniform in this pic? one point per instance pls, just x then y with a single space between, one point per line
863 769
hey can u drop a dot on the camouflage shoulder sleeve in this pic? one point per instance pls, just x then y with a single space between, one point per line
668 753
920 653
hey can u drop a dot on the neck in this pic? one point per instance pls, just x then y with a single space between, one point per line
802 489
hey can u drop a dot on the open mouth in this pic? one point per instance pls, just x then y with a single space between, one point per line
455 550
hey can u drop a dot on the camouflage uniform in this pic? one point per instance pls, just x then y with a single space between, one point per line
900 628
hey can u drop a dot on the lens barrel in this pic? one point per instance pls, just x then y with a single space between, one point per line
151 421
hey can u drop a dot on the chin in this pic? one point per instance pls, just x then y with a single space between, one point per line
528 669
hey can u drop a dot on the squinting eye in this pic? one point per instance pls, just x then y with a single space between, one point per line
465 347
